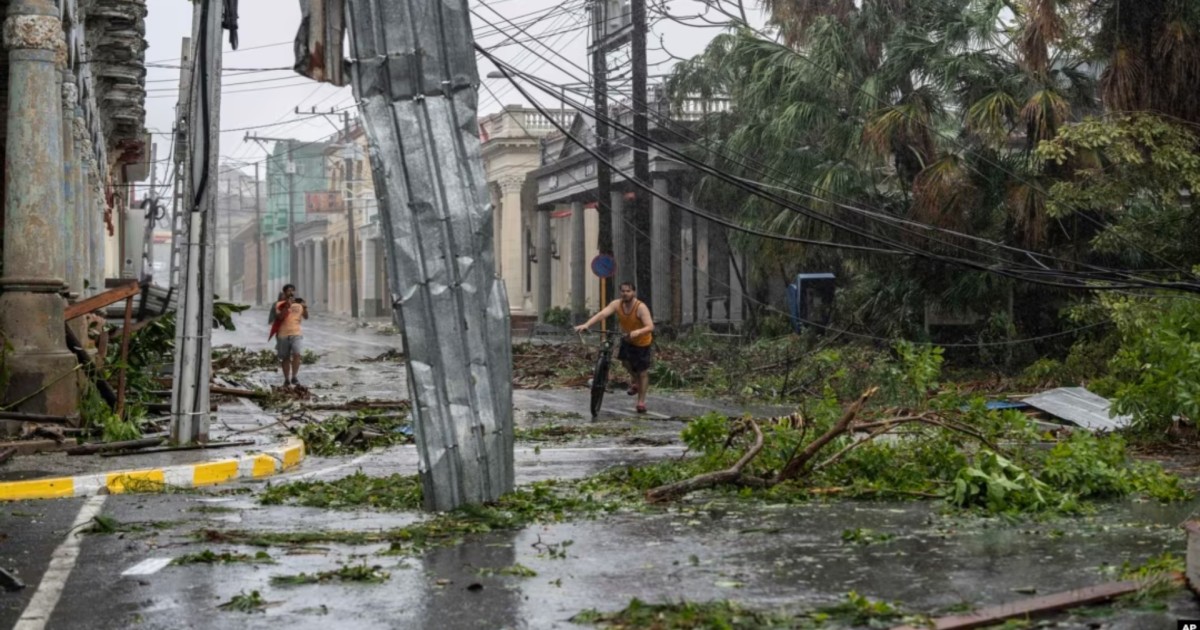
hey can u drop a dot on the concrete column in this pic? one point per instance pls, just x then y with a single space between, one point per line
511 246
70 226
579 270
83 225
370 304
99 232
320 267
31 307
703 314
737 266
622 244
543 264
687 239
660 252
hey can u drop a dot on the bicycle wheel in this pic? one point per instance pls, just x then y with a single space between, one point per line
599 383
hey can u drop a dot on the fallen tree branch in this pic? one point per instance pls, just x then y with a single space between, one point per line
797 464
730 475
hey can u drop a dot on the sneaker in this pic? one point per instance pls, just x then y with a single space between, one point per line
632 391
295 381
641 408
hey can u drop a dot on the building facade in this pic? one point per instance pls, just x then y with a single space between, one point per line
72 88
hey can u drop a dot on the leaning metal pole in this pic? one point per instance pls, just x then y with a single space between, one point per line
193 321
415 80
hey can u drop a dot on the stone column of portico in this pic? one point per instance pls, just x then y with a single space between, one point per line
320 267
72 227
370 304
511 246
578 262
83 237
31 306
543 264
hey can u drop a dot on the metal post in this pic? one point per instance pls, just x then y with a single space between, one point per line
193 327
348 178
39 366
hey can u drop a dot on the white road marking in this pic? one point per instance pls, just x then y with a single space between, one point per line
149 566
42 604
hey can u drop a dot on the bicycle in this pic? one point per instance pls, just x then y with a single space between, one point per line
599 381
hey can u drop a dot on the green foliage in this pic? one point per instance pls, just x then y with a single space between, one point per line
863 536
855 611
707 433
97 415
999 485
360 573
245 603
723 615
394 492
558 316
363 431
209 556
1157 367
1092 467
516 570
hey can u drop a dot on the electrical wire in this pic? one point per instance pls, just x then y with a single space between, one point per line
770 307
1081 282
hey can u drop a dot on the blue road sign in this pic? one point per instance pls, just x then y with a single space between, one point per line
604 266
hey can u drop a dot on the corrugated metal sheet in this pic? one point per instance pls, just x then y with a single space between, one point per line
320 40
1080 407
413 72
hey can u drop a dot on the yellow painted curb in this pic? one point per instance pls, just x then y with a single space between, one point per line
262 464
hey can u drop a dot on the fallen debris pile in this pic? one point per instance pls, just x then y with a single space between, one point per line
368 429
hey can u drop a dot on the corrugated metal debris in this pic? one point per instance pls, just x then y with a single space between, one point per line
1080 407
414 76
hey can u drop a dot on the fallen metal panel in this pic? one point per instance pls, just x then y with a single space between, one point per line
413 72
1079 406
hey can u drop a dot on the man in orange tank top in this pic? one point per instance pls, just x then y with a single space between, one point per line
636 354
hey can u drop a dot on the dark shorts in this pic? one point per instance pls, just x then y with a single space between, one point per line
637 358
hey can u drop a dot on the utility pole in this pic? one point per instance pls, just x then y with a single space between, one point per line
193 328
258 235
641 157
352 252
603 172
291 179
291 218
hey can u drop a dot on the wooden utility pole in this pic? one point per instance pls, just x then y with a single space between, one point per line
641 157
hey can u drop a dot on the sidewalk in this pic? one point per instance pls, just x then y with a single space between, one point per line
58 475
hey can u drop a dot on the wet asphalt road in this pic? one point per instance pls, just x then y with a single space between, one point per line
767 557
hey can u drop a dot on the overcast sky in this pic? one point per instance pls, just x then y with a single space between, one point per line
267 27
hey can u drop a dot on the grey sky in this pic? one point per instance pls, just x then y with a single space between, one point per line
267 28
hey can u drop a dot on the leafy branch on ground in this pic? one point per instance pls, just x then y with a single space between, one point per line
854 611
940 444
245 603
348 573
366 429
209 556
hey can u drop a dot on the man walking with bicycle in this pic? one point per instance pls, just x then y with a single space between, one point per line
634 318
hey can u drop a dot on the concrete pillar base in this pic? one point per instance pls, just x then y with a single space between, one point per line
40 371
